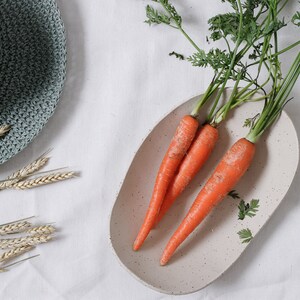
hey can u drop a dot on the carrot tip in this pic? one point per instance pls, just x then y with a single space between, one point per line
136 246
163 262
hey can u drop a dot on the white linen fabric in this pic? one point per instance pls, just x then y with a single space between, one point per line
120 83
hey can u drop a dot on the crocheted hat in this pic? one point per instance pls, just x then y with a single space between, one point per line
32 69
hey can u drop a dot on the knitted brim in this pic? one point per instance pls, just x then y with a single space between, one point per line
32 69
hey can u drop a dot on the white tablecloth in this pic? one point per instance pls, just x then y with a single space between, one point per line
120 83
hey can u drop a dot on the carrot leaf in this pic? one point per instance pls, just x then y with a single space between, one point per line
248 209
234 194
156 17
217 59
296 19
250 121
245 235
247 122
171 18
177 55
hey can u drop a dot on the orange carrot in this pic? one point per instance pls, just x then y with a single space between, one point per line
180 143
197 155
228 172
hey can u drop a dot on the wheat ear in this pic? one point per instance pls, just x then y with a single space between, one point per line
14 253
42 230
4 129
14 227
47 179
26 171
31 240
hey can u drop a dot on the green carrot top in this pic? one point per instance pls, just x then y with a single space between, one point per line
246 30
282 86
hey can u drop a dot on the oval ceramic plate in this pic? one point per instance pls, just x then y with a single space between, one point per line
215 245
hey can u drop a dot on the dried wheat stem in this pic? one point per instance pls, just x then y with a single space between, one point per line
14 253
14 227
42 230
4 129
47 179
4 268
31 240
20 220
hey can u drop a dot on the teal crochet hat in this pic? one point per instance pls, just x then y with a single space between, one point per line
32 69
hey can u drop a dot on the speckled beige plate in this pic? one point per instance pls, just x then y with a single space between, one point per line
215 245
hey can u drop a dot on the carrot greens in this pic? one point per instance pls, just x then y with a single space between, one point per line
177 55
242 30
276 101
296 19
234 194
248 209
245 235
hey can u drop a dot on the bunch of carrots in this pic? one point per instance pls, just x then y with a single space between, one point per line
250 32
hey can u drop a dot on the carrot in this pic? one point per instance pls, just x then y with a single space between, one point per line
236 161
197 155
180 143
228 172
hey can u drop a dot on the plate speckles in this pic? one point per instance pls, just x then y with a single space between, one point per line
215 245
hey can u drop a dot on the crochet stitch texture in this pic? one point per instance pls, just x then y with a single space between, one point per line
32 69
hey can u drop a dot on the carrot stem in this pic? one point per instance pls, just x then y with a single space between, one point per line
275 102
209 91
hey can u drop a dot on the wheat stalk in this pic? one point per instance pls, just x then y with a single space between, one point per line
26 171
14 227
15 252
31 240
42 230
47 179
20 220
4 268
4 129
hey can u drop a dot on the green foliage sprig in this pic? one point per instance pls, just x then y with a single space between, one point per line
245 235
248 209
247 31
